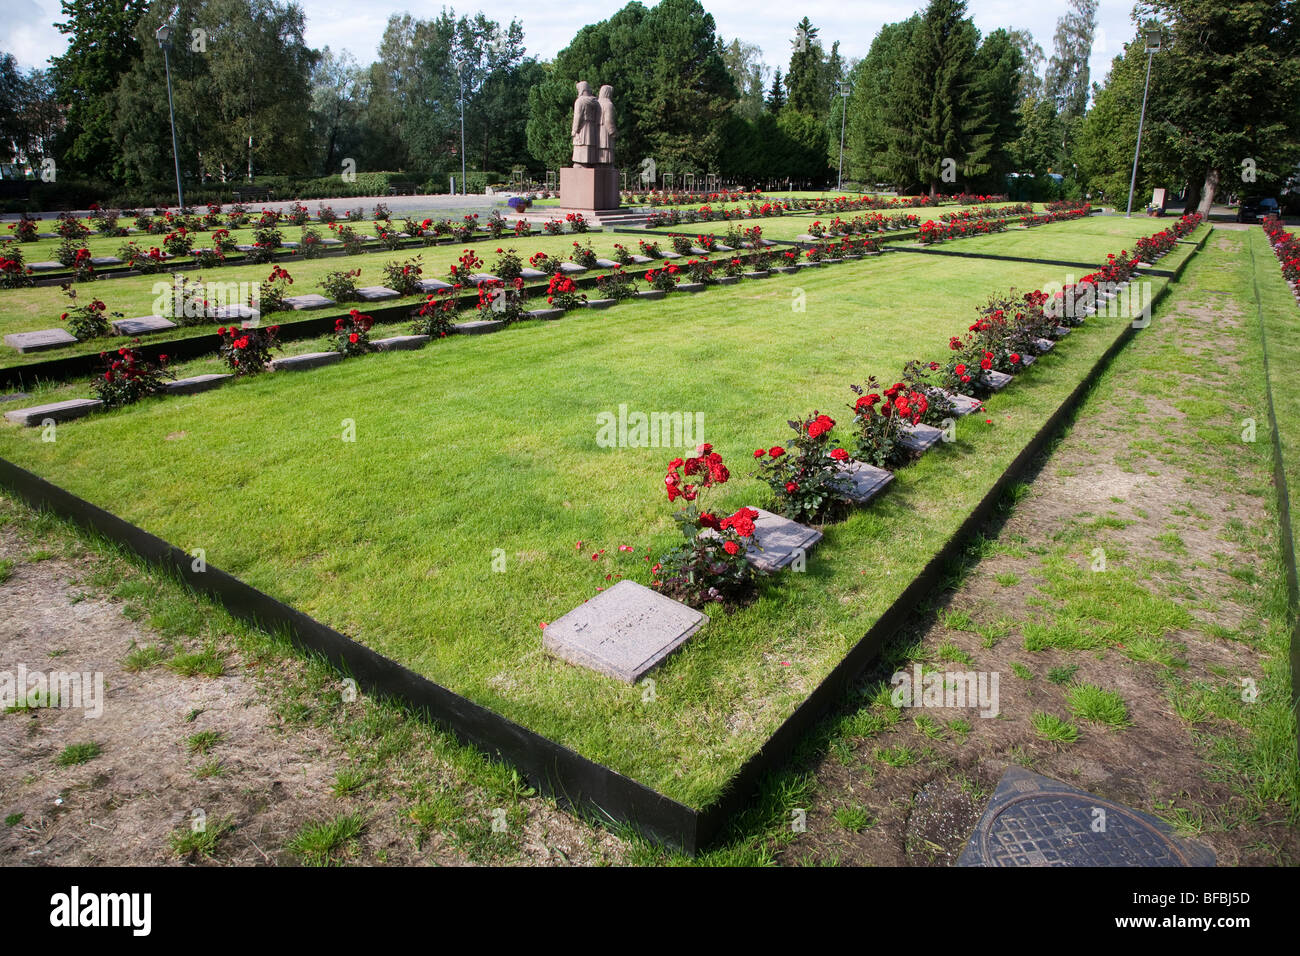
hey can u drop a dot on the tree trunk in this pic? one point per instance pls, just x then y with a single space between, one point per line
1207 191
1193 197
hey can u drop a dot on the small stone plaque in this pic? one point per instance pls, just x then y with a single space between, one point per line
691 287
298 363
377 293
479 277
623 632
600 303
761 274
45 266
807 238
545 314
244 246
58 411
311 300
868 481
920 437
697 251
531 274
651 294
607 263
289 245
233 313
776 542
198 383
1062 331
997 380
143 325
785 270
670 254
1027 360
401 343
331 242
964 404
572 268
727 280
640 259
1044 345
721 248
478 327
432 285
39 341
98 261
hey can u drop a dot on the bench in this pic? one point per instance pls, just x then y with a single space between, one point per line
252 194
403 189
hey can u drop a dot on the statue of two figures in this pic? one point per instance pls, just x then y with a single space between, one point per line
593 127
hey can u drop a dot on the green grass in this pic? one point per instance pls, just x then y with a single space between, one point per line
327 842
188 842
854 819
203 741
75 754
1053 729
1089 702
1063 674
390 539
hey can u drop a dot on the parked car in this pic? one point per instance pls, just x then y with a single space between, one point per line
1253 210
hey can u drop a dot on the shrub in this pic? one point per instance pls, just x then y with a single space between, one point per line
434 317
584 255
136 258
222 241
352 333
544 263
309 244
664 280
273 291
617 285
388 237
523 227
248 351
577 222
326 214
14 272
297 215
70 227
622 255
467 265
553 227
708 567
505 300
561 293
128 377
25 229
508 265
178 243
700 270
403 277
681 244
381 213
806 478
341 285
87 321
878 417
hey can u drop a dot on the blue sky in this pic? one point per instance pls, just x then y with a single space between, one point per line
28 33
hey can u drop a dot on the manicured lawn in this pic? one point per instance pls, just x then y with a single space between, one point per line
478 444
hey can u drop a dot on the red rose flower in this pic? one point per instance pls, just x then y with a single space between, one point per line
776 451
839 454
730 547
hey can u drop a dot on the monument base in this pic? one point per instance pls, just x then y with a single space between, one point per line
589 187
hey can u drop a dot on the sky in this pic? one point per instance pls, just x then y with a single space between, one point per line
28 32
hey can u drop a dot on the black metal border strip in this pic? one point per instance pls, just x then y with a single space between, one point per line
574 780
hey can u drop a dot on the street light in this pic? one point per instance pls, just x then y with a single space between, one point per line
844 109
460 78
164 35
1154 36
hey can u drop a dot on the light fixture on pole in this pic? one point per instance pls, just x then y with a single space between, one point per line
844 109
1154 37
460 77
164 35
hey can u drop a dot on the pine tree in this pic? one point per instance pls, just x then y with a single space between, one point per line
776 95
806 76
932 98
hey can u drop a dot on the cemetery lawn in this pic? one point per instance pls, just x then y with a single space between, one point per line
479 447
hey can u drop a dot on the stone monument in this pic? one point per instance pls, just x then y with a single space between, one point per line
591 183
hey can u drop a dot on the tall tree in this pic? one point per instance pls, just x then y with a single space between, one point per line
999 68
869 155
932 98
1067 80
806 78
776 95
748 71
102 46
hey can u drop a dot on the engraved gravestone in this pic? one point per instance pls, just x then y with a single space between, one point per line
622 632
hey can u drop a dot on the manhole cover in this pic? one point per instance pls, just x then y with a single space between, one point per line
1036 821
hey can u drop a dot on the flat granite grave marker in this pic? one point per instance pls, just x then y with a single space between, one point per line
547 314
197 383
640 259
327 241
298 363
478 327
45 266
98 261
1062 331
608 263
432 285
1033 820
776 542
1044 345
301 303
57 411
670 255
532 274
143 325
651 294
997 380
39 341
1026 361
400 343
377 293
622 632
721 248
478 277
868 481
920 437
600 303
572 268
964 404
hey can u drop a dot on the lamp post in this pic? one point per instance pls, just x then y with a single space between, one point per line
460 78
844 109
164 35
1154 36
